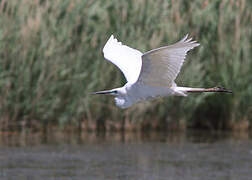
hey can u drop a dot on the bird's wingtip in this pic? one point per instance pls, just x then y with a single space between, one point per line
196 44
184 38
112 42
111 38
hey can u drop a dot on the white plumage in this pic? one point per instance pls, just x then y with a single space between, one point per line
150 74
161 66
127 59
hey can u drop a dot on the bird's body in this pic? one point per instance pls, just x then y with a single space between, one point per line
130 94
151 74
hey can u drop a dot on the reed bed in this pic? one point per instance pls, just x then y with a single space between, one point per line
51 59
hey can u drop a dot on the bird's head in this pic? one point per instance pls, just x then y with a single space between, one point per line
120 94
113 92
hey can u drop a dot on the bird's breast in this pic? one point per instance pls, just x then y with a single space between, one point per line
122 102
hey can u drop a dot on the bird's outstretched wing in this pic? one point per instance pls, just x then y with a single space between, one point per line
161 66
127 59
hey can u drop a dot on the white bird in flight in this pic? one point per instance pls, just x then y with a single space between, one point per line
149 74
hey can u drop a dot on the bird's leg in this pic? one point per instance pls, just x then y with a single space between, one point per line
214 89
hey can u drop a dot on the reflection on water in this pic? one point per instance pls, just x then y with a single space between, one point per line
134 156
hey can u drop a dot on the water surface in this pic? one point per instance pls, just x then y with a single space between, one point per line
126 156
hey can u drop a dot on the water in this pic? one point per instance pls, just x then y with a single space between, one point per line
131 156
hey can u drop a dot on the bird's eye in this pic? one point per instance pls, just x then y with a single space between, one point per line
115 91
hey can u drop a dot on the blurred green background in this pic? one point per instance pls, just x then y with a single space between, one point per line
51 59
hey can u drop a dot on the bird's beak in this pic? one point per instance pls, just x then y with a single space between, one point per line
104 92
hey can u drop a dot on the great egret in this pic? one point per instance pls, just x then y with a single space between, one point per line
149 74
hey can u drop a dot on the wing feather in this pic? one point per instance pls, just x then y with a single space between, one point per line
161 66
127 59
